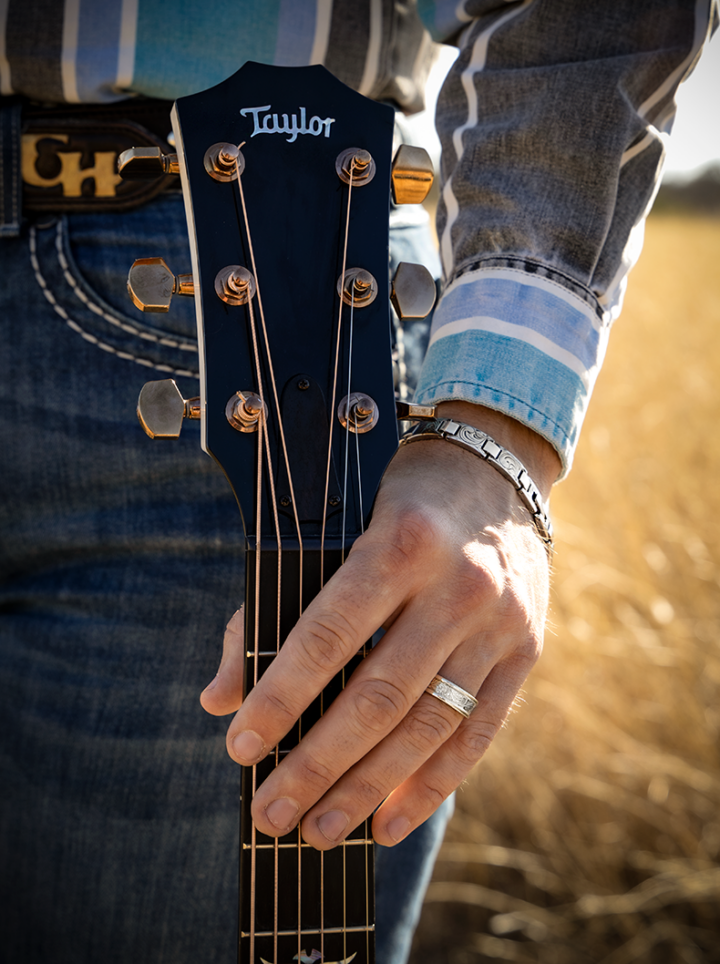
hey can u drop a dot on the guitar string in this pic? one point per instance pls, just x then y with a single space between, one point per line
347 427
256 621
256 631
273 499
335 376
273 384
345 481
324 524
359 478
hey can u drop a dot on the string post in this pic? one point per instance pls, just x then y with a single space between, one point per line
224 162
358 412
235 285
357 287
355 166
244 411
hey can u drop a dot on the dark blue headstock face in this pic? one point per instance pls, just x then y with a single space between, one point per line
286 223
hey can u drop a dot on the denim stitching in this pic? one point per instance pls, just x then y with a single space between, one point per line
125 326
74 326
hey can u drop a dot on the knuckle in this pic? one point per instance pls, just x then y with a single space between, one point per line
433 795
473 739
377 705
314 775
477 586
281 707
368 794
324 644
405 541
427 726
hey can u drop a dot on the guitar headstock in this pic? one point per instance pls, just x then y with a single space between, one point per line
268 253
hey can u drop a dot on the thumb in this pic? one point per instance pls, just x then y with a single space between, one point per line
224 694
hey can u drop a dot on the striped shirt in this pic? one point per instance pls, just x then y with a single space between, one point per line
552 123
95 50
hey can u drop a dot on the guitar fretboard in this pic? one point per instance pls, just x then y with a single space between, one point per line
295 900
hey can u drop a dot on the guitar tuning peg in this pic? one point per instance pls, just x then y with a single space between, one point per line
161 408
151 284
145 163
412 175
413 291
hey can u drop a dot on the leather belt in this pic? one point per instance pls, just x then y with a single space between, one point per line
69 155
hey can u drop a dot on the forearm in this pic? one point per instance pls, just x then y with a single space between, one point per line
551 126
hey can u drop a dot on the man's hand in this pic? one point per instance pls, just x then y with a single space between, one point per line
452 568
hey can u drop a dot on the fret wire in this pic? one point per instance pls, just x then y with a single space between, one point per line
353 842
309 932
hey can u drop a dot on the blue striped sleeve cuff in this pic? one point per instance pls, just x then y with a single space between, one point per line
520 343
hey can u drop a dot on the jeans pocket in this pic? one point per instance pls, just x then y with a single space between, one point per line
81 264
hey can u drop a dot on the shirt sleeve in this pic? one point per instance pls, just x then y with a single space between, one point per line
552 123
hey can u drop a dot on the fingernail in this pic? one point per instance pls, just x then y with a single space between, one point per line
248 747
211 686
282 813
332 824
398 828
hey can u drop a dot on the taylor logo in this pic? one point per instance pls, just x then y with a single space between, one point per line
271 123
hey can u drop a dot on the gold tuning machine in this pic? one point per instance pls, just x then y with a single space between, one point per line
161 409
413 291
146 163
412 175
151 284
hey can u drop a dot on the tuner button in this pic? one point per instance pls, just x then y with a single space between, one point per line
413 291
161 409
412 175
151 284
146 163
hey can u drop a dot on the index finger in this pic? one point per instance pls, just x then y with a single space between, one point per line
359 598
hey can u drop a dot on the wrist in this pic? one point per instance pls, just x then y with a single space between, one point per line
536 453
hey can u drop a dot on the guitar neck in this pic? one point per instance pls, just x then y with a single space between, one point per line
296 901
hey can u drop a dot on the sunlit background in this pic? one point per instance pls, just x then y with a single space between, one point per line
590 833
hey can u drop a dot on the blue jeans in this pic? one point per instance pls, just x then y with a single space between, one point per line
122 561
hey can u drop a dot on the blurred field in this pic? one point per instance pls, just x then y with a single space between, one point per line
591 831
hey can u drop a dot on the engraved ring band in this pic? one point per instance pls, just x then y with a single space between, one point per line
452 694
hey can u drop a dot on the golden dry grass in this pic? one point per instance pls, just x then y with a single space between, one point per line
591 831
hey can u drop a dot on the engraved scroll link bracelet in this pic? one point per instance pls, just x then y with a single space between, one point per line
507 464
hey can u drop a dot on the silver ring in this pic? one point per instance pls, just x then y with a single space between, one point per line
452 694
